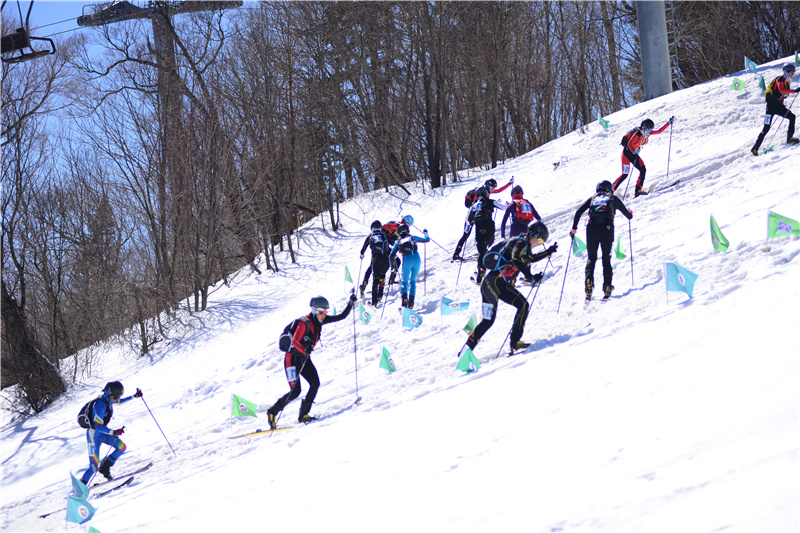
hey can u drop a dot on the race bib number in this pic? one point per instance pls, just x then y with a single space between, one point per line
487 310
291 374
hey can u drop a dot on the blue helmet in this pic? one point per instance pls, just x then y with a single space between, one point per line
408 219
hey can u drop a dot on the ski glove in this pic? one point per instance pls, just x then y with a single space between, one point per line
537 277
119 431
553 249
353 297
362 256
671 120
572 233
138 393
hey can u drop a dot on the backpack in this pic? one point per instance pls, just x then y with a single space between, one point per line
523 212
85 416
492 259
627 137
601 206
470 198
378 244
285 340
407 246
390 229
772 94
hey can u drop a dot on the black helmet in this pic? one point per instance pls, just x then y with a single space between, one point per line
648 124
605 186
114 388
538 229
482 192
402 229
375 226
319 302
491 183
516 190
788 67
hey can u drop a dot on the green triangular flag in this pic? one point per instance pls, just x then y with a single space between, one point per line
347 277
386 361
796 59
778 226
750 65
718 240
92 529
578 246
362 313
603 122
473 321
738 85
762 85
468 362
242 407
618 250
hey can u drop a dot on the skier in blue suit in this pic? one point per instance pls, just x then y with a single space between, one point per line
406 244
99 433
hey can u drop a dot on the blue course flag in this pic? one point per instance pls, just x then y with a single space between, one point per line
411 319
78 488
750 66
679 279
451 306
387 363
79 510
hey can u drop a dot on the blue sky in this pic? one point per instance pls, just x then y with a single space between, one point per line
48 17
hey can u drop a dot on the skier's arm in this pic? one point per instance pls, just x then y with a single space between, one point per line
505 218
366 245
424 238
619 205
504 187
340 316
99 413
660 130
582 209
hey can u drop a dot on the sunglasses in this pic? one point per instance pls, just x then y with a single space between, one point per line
114 398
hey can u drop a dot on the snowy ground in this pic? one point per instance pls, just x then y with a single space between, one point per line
654 412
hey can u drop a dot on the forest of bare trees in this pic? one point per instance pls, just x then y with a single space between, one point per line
129 187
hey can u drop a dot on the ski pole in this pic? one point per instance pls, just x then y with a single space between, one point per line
628 179
460 264
630 237
526 299
425 270
355 352
159 427
429 237
669 150
360 264
88 483
565 274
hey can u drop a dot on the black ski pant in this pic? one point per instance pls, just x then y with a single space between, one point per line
379 266
493 289
484 237
463 240
633 159
294 364
602 236
775 108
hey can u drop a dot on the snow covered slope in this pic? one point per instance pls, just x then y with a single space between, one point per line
654 412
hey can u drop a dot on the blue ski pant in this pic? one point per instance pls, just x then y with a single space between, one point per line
411 265
94 440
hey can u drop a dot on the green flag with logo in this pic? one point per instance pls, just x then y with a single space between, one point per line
738 85
347 277
242 407
779 226
578 246
473 321
618 250
468 362
386 361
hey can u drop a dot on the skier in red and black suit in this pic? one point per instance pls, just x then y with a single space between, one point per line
632 143
482 215
600 232
521 212
298 359
378 243
775 94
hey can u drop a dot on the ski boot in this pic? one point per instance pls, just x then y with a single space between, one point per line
273 420
105 469
607 292
404 300
792 140
362 288
305 407
411 302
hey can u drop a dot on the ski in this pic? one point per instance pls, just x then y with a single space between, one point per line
127 474
261 432
674 183
124 483
519 349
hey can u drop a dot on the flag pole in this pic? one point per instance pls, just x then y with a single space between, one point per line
630 237
563 284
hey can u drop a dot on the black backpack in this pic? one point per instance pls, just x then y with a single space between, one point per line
470 198
85 416
285 340
407 246
601 206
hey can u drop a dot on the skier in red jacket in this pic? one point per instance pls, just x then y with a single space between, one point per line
632 143
775 95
